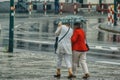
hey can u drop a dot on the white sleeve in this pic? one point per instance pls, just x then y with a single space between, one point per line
57 32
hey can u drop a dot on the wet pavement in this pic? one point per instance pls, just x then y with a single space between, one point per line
31 65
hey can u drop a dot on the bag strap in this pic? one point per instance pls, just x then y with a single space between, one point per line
64 35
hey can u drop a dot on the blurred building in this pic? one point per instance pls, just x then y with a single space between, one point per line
22 5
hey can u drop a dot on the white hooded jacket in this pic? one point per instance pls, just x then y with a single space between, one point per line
64 45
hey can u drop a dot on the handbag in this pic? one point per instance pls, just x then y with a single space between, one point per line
56 40
56 44
86 44
87 47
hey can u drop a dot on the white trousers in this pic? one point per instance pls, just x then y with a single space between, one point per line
67 58
76 56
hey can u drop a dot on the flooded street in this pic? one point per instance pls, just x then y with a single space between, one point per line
34 59
27 38
38 33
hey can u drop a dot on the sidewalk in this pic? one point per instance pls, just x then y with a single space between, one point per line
109 28
26 65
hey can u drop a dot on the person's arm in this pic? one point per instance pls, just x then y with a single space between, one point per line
74 37
57 32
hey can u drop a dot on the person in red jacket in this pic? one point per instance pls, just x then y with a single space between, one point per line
79 49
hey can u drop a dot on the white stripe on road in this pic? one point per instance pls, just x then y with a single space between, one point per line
17 25
114 48
107 62
98 47
106 48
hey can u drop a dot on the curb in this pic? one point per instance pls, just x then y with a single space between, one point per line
108 29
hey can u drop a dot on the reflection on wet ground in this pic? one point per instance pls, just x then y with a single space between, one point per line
38 34
96 35
29 65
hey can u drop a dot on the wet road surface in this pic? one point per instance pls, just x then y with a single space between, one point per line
29 65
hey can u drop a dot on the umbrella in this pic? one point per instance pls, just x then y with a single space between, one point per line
70 19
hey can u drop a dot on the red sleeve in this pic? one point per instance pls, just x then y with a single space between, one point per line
74 37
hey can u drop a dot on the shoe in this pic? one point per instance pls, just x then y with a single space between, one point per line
71 76
86 76
57 76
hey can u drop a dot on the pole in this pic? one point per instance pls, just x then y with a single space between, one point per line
75 8
45 7
30 7
89 7
11 26
100 3
72 1
102 8
115 14
109 14
56 3
118 16
61 8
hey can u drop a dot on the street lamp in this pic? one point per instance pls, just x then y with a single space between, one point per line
11 26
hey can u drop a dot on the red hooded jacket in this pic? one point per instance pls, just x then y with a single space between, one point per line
78 40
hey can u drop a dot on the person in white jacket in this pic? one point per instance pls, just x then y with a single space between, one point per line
64 49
